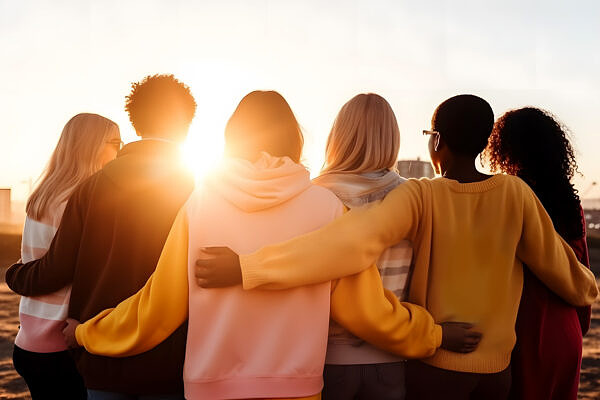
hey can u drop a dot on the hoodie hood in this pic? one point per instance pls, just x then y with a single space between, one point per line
259 185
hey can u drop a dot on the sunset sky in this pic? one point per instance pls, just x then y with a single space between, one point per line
62 57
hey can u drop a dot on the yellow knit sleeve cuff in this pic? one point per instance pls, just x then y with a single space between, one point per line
252 276
79 334
437 331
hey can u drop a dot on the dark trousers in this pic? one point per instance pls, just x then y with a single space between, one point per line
49 375
364 382
424 382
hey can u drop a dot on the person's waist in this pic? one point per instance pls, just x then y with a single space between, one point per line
361 352
157 371
481 361
243 387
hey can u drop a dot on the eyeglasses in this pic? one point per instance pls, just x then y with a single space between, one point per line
116 143
428 132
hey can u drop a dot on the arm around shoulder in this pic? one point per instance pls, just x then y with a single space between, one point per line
145 319
55 269
360 304
550 258
346 246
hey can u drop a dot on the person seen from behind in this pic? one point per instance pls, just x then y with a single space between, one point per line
360 167
532 144
40 356
110 237
259 344
471 233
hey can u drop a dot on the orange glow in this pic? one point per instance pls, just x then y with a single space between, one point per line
203 149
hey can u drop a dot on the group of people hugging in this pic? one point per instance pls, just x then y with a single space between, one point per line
260 283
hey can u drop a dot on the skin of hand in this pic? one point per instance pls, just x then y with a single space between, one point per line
218 267
459 337
69 333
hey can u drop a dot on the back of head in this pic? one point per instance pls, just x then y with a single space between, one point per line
364 136
161 106
263 121
465 123
533 145
75 158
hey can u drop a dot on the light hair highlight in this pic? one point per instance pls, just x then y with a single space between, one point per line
75 158
364 137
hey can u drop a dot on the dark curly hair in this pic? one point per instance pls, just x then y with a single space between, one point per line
160 104
533 145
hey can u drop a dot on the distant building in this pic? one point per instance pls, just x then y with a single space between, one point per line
5 211
415 168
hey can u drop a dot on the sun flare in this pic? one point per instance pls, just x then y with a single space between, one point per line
203 150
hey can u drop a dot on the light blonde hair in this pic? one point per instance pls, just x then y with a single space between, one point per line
75 158
364 137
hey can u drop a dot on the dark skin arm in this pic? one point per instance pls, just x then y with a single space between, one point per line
55 269
221 268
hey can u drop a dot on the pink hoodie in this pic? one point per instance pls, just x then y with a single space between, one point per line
248 344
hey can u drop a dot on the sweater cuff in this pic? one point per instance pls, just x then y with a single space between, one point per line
251 272
79 334
437 331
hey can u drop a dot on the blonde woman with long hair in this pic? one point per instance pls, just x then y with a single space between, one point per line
87 143
360 167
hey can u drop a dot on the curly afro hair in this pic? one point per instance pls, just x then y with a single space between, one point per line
160 104
533 145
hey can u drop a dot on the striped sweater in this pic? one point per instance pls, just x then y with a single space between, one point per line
356 190
42 317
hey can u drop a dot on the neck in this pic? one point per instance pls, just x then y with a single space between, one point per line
462 169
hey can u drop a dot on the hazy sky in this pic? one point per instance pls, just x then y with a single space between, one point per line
60 58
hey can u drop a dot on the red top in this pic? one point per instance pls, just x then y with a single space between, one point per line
547 357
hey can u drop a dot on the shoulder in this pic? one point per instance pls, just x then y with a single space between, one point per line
323 202
323 194
516 184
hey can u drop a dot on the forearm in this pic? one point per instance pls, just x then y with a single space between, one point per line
360 304
54 270
144 320
346 246
36 278
552 260
134 326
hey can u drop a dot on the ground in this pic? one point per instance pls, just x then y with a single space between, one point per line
13 387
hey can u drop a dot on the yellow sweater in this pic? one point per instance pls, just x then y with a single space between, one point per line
469 240
359 303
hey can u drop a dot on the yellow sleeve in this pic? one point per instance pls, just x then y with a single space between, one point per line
346 246
360 304
145 319
551 259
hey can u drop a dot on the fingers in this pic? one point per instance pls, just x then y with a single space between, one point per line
216 250
471 340
471 334
467 349
206 284
463 325
201 270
